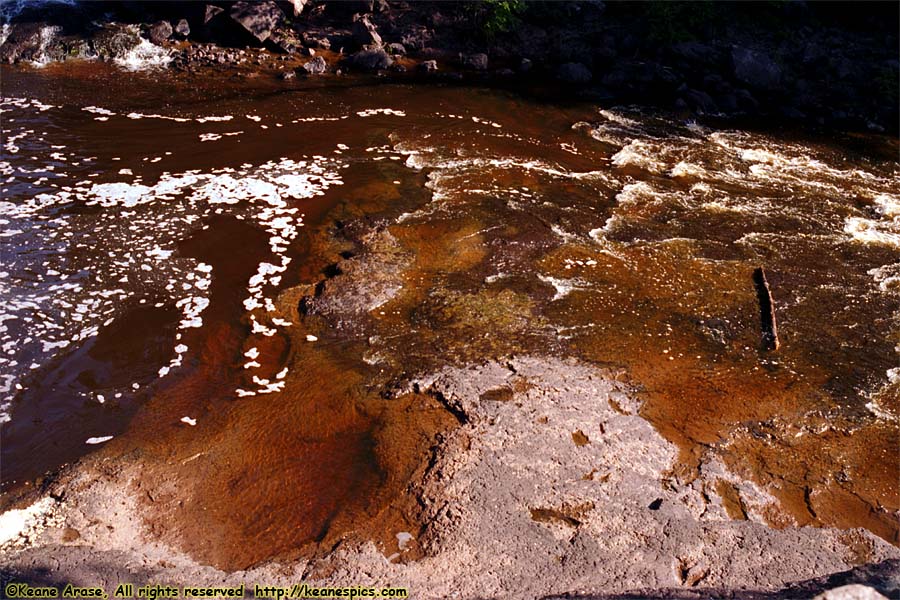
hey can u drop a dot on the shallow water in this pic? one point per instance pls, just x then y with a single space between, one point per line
154 230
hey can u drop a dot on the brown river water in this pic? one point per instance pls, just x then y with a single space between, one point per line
158 234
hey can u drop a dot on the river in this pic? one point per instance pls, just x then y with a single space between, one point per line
155 227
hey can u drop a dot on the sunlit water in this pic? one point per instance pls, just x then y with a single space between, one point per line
631 237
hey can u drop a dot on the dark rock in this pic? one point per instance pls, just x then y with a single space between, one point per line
573 73
364 32
259 19
160 32
477 62
532 40
371 59
115 41
211 12
428 66
791 112
345 8
182 28
696 53
525 65
746 101
282 41
417 39
756 69
728 103
381 6
714 82
316 42
701 102
505 72
316 66
396 49
23 42
398 68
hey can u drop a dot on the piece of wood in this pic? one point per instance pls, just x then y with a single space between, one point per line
769 326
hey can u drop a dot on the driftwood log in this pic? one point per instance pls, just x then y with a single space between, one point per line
769 326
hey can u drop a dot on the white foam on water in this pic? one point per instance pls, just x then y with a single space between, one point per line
144 56
887 277
98 440
639 153
873 232
48 32
25 522
685 169
562 287
370 112
132 256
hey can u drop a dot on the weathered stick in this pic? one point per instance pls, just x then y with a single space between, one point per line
766 311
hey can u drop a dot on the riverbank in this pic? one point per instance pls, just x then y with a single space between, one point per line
519 486
831 65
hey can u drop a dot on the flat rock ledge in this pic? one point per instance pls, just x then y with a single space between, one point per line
553 486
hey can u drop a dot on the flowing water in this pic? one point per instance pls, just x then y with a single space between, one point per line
154 229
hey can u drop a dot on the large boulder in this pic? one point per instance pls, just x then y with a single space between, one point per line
259 19
756 69
364 32
371 59
160 32
573 72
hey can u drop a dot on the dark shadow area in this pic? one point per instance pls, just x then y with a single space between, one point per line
822 64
